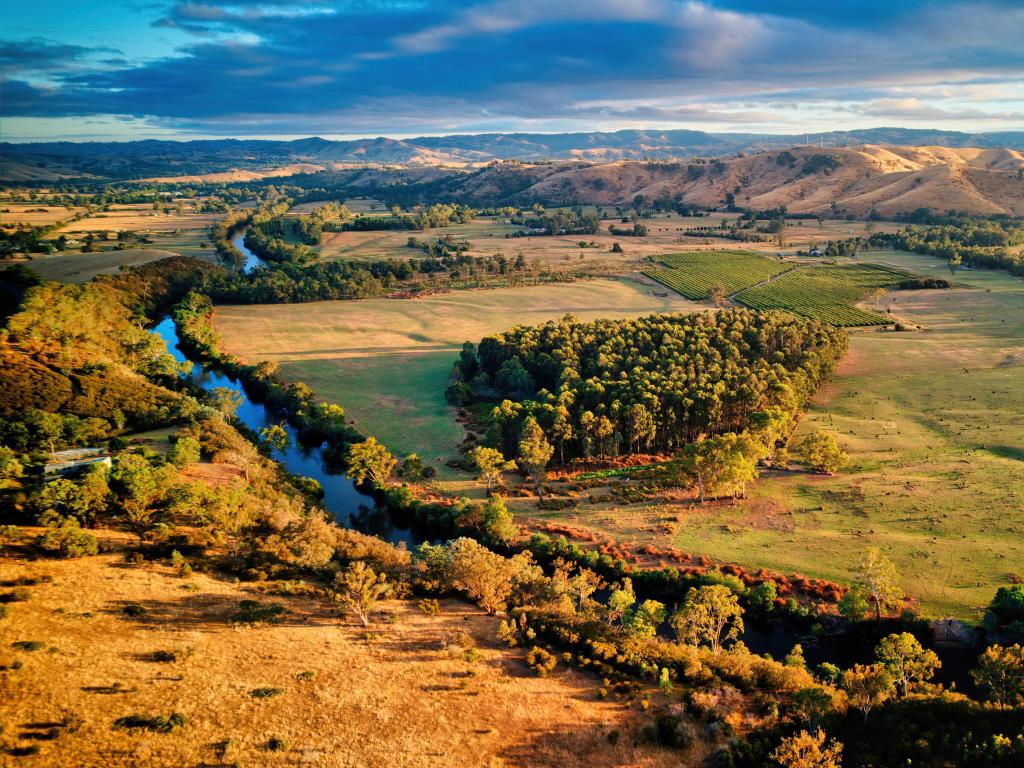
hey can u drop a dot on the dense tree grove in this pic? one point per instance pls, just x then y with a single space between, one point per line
985 243
655 383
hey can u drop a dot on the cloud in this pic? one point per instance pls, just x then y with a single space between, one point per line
41 55
262 67
914 108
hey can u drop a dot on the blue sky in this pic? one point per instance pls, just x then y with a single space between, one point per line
267 68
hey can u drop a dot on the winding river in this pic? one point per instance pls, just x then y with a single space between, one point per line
350 507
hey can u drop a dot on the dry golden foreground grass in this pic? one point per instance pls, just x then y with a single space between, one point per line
335 697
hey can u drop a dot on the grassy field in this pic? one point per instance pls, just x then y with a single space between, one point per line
486 237
694 274
827 292
74 267
387 361
934 424
398 698
33 213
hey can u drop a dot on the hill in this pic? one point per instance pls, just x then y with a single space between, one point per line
887 180
153 158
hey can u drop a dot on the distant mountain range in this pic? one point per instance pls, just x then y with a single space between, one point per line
50 161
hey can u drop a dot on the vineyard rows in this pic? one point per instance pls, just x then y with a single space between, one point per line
694 274
826 293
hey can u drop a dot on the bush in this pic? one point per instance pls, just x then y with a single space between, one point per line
541 661
69 540
266 693
19 595
254 612
276 744
429 606
157 724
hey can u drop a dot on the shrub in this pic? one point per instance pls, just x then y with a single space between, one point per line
157 724
429 606
69 540
253 612
276 744
133 609
266 693
541 661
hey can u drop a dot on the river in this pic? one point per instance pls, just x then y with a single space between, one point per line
350 507
252 261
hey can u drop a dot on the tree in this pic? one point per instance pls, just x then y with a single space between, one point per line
621 600
868 686
1000 671
226 400
489 464
905 660
805 750
561 430
711 615
358 589
644 619
137 486
720 462
810 705
496 521
66 537
716 295
311 540
640 428
534 454
275 438
822 453
487 578
63 498
184 452
878 577
370 461
854 603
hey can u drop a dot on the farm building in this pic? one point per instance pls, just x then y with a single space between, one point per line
71 462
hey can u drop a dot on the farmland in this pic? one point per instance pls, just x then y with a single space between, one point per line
827 292
932 420
387 361
694 274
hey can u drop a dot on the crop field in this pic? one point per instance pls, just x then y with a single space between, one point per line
387 361
828 292
694 274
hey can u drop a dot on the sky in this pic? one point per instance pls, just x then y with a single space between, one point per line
104 69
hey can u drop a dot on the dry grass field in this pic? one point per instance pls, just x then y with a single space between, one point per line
33 213
73 662
387 361
486 237
75 267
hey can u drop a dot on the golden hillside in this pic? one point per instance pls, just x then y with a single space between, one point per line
890 180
